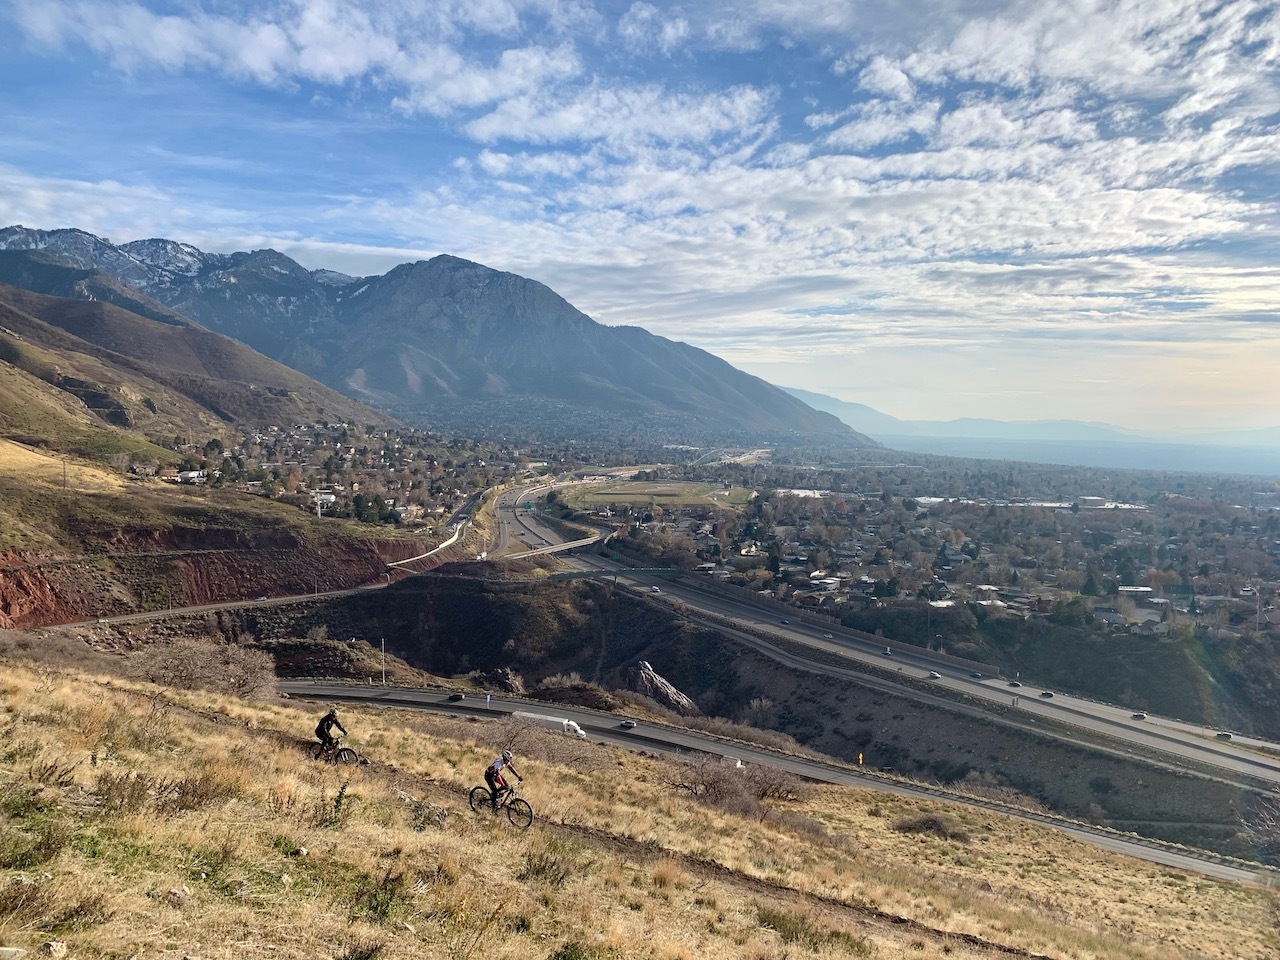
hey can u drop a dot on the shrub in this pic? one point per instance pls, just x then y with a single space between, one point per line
377 899
802 929
362 950
123 793
22 852
933 823
573 950
547 866
201 663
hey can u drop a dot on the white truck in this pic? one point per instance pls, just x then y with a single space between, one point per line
558 724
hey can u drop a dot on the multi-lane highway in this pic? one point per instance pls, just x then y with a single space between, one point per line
653 737
1182 743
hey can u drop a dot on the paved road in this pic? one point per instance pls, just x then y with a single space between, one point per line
655 737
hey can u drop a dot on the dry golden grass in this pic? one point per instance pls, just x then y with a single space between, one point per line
23 463
139 822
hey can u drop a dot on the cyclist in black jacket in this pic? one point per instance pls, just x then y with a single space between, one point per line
324 729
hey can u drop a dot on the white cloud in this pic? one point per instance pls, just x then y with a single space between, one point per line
884 76
625 116
644 27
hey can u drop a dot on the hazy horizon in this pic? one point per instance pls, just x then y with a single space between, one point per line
999 210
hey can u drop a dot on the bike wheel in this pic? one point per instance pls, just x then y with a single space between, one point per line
346 755
315 751
479 799
520 813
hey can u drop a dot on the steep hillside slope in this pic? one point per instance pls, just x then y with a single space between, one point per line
142 820
159 377
77 542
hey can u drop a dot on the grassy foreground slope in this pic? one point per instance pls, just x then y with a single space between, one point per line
141 822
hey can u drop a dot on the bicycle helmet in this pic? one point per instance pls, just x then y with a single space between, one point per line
506 755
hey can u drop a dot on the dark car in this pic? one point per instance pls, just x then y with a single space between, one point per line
1046 693
977 675
457 696
784 620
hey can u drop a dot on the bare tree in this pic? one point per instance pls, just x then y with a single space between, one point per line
1262 821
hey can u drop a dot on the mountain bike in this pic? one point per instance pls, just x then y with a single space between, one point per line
518 810
333 753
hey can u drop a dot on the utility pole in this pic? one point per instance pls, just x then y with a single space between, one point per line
384 661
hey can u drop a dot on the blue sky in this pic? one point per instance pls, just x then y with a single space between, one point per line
1015 210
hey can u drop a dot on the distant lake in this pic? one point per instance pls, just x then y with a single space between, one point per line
1181 457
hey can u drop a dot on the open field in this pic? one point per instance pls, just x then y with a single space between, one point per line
667 494
136 821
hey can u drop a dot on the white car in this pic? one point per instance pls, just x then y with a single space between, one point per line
934 675
827 636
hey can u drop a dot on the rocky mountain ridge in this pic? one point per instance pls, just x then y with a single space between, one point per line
434 332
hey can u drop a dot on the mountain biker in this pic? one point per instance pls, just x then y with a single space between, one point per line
493 775
324 729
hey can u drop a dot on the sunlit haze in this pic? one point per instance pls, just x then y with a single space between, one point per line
1010 210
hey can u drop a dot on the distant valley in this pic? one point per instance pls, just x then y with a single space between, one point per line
1069 442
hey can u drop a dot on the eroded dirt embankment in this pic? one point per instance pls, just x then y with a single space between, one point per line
131 572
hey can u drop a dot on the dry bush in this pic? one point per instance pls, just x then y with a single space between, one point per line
735 789
986 786
123 793
57 908
22 851
770 783
803 929
716 782
932 823
203 664
528 740
549 865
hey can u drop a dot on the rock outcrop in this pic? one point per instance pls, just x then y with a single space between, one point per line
642 678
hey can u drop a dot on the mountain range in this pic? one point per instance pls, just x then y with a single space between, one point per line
423 338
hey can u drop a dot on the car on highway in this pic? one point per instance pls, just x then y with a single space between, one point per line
1223 735
457 696
934 675
827 636
1138 716
628 724
976 674
1015 683
784 620
888 652
1046 693
260 599
655 590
